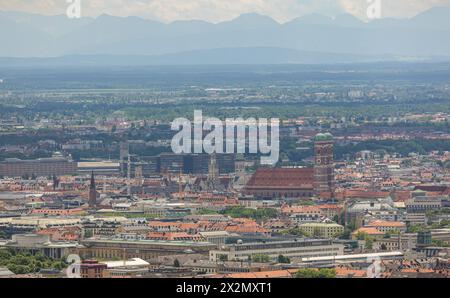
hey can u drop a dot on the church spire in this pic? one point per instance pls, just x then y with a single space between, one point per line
92 185
92 193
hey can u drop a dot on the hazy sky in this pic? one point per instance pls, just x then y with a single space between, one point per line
221 10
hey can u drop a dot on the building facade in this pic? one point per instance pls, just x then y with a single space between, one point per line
323 164
273 183
299 248
326 230
42 167
111 248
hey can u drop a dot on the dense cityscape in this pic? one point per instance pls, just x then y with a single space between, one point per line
360 188
256 143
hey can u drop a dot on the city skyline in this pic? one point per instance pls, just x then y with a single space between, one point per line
288 139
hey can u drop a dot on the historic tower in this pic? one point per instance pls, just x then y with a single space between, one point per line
213 174
124 153
213 169
92 193
324 164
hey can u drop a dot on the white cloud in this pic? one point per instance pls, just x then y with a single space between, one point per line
211 10
392 8
220 10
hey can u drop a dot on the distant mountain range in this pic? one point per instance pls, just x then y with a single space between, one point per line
247 55
248 39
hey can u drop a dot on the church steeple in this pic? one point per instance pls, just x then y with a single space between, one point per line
92 185
324 181
92 192
213 169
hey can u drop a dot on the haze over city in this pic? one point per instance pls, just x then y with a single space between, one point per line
252 37
208 144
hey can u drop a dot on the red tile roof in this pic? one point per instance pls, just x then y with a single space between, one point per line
368 231
383 223
262 274
301 210
346 272
279 178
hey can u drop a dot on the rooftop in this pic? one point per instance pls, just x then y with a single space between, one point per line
292 178
149 242
135 262
323 137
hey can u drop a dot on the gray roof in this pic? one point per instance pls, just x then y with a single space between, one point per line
4 272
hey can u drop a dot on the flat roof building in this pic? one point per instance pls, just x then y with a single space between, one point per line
300 248
99 167
112 248
58 166
37 243
326 230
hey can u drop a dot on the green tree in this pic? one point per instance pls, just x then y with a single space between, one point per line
346 234
256 214
416 228
176 263
88 234
3 235
439 243
316 273
260 258
284 260
223 258
361 236
23 263
316 232
369 243
336 218
294 231
206 211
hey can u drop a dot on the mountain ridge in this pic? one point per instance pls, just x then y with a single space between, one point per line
27 35
219 56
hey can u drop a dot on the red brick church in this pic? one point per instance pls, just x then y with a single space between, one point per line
298 182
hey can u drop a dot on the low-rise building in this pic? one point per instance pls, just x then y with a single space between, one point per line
325 230
388 226
92 269
110 248
416 219
5 273
42 167
422 204
216 237
34 243
134 267
369 231
289 248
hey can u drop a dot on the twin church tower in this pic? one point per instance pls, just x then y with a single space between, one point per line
324 181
